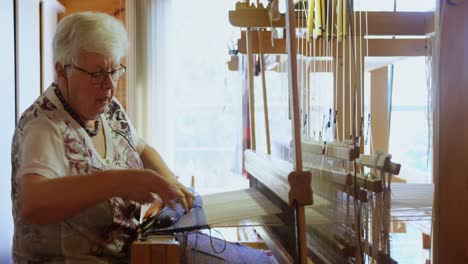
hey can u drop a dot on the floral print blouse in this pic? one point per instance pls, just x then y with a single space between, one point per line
49 142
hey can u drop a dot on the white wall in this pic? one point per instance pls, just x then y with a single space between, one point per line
7 124
27 67
28 53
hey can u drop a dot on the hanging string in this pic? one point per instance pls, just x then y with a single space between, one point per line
336 72
343 71
304 77
361 73
307 71
357 74
327 36
310 70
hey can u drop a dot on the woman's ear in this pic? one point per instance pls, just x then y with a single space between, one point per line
60 71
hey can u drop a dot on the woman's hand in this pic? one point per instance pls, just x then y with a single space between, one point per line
143 184
184 196
153 161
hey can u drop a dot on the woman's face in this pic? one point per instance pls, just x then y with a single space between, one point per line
87 98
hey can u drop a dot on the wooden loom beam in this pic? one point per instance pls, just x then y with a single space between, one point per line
347 179
380 23
332 150
377 47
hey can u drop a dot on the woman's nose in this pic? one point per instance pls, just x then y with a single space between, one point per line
108 83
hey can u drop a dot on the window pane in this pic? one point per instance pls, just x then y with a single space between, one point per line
389 5
205 99
409 128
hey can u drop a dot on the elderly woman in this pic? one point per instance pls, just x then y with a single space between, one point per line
80 170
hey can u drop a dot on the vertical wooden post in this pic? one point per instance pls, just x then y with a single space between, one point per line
358 82
250 71
296 131
343 93
451 140
265 96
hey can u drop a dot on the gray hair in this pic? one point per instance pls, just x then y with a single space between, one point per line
90 32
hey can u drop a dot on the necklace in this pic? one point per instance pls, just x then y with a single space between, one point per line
68 108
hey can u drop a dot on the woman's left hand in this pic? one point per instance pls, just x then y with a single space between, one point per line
185 196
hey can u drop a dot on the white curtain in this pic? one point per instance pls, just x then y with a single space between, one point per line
147 97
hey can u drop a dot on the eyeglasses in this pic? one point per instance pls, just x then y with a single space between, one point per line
101 76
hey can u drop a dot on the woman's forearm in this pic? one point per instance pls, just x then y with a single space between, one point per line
46 201
153 161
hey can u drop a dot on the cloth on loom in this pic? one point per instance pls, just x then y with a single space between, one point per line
201 248
216 209
237 205
195 219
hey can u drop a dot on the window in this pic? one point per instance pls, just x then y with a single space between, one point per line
204 98
409 125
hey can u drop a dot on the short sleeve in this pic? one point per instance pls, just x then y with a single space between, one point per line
41 149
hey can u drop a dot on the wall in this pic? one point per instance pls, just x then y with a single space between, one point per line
28 51
7 124
20 75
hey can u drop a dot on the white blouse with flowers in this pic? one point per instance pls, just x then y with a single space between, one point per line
49 142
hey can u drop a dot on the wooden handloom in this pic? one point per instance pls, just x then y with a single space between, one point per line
312 227
270 175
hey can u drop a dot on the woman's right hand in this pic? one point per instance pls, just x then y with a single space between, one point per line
141 185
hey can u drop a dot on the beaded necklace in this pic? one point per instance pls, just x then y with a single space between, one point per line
72 113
